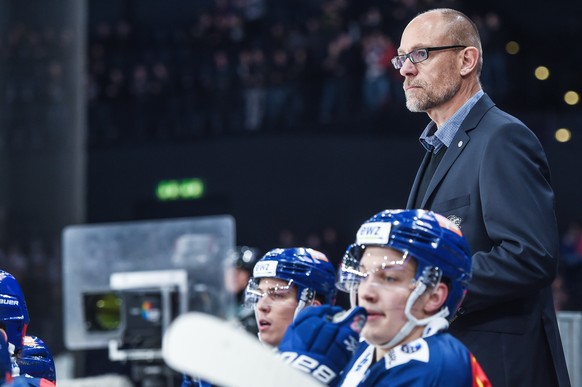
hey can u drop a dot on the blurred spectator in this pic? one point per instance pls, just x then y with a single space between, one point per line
571 264
313 240
286 238
116 95
560 294
377 51
251 72
163 106
338 67
572 245
494 74
218 81
140 101
299 81
238 272
278 90
247 65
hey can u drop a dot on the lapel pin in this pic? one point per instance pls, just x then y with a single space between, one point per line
455 219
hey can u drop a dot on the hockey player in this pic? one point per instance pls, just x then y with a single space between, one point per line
14 317
30 359
238 271
284 282
288 281
237 275
409 269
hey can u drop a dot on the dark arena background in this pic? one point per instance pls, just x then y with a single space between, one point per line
269 111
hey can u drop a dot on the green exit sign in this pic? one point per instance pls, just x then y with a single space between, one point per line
183 189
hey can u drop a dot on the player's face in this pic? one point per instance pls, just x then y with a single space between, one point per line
275 309
384 292
430 84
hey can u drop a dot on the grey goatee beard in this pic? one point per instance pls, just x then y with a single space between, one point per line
431 99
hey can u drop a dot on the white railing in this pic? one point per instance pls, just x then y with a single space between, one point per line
570 325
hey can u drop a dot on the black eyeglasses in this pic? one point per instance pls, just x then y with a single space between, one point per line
418 55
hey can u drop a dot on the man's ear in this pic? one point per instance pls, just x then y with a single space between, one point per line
316 302
470 60
436 299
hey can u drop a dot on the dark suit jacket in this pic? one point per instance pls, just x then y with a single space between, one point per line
494 182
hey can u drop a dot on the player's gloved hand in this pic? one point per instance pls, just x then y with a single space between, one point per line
322 339
35 359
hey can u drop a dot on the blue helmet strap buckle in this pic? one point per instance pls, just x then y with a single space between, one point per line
431 276
307 296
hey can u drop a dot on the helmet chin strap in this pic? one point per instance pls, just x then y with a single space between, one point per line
413 322
305 299
11 349
14 365
353 297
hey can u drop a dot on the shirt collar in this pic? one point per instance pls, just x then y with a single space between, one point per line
444 135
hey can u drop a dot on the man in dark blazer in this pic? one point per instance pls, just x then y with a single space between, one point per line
487 172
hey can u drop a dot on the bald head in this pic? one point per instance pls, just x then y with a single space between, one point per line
444 71
451 26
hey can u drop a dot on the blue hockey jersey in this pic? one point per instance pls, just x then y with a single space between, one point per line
437 360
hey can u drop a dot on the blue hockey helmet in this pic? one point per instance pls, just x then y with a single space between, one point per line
36 360
435 242
308 269
14 317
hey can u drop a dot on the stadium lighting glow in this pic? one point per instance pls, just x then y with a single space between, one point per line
512 47
563 135
542 73
184 189
571 98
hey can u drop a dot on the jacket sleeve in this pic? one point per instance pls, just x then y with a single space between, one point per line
517 204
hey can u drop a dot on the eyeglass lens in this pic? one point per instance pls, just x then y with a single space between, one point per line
415 56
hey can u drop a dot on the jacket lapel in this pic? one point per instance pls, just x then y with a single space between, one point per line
457 146
459 143
417 179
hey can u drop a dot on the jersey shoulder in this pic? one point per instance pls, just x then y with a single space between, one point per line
436 360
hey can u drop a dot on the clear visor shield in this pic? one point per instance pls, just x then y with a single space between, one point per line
380 270
254 292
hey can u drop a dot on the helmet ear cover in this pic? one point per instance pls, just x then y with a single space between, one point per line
431 276
308 295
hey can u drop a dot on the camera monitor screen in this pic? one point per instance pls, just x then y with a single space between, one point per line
98 299
102 311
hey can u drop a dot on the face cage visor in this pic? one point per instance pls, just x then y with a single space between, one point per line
253 293
351 274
